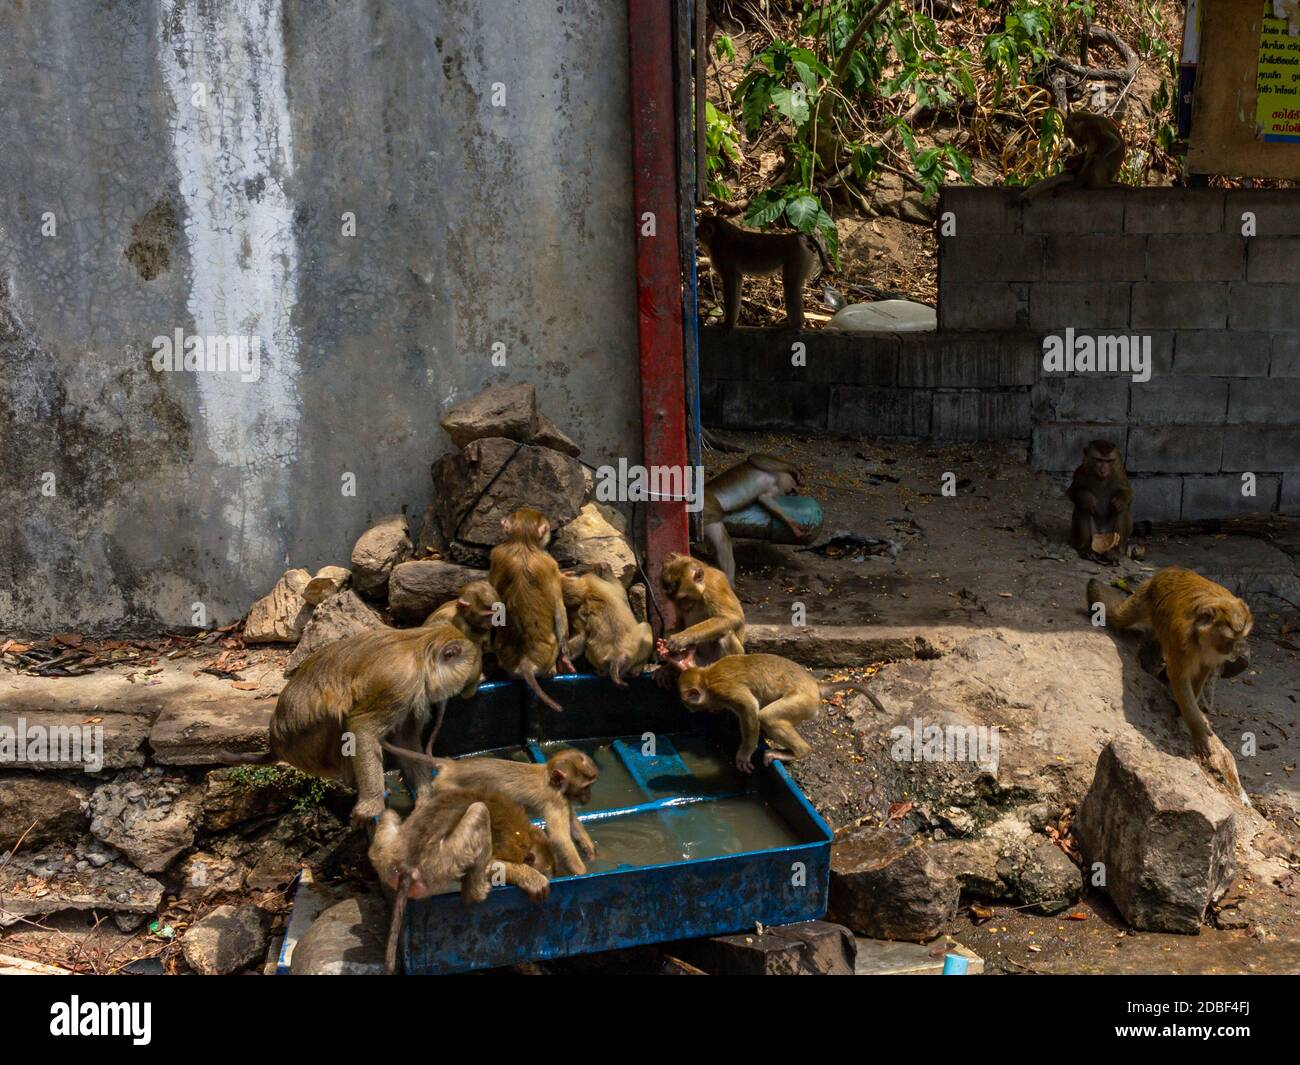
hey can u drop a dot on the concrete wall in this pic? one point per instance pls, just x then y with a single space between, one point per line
171 164
1168 269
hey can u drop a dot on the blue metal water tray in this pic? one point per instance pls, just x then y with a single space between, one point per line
671 781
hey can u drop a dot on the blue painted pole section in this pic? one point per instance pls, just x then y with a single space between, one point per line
955 965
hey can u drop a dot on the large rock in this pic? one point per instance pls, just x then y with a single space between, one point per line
537 476
201 730
380 548
231 796
552 436
340 615
812 948
416 589
228 939
596 538
149 818
40 810
1163 834
280 616
889 887
503 410
1044 878
348 939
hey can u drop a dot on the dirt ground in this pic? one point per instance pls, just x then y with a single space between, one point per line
987 576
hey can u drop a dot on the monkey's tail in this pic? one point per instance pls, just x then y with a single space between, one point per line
852 686
420 757
395 929
1115 603
529 672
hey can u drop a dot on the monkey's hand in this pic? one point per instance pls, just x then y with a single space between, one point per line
744 762
586 848
1220 763
367 810
567 664
1118 502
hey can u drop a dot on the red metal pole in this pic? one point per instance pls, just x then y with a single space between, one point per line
658 265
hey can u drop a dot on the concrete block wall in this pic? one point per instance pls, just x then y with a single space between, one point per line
1209 279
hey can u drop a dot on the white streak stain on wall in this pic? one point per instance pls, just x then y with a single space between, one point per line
234 154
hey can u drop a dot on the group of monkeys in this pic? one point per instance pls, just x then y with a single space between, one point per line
377 691
736 253
1198 627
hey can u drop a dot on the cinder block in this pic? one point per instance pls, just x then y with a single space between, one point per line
1094 257
1059 448
1276 211
1286 355
1264 401
1162 305
1252 307
1176 449
1019 359
1080 399
1010 257
1054 307
1274 259
1076 212
850 358
1217 353
725 353
783 405
879 411
1269 449
1174 210
979 209
971 360
1200 257
976 306
1179 401
1220 496
1157 498
1290 500
980 415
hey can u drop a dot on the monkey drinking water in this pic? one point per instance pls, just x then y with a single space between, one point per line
761 479
1201 627
768 694
735 252
1102 498
457 834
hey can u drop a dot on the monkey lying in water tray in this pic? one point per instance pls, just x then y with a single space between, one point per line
685 845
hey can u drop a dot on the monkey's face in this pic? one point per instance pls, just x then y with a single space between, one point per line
787 483
1223 629
691 689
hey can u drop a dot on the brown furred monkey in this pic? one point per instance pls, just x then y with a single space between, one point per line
549 790
536 631
761 479
603 628
710 617
457 834
471 611
768 694
1103 519
362 689
1098 162
1201 626
735 252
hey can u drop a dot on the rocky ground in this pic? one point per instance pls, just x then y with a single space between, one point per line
973 616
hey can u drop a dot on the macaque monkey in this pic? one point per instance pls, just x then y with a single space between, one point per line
471 612
1201 627
709 615
735 252
603 627
457 834
1102 501
759 479
1097 163
768 694
550 791
528 579
345 700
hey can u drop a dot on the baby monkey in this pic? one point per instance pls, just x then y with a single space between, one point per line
768 694
710 617
472 612
735 252
457 834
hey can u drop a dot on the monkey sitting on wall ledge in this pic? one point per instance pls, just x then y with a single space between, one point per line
735 252
1095 166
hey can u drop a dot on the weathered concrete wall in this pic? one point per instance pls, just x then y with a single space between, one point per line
177 164
1169 270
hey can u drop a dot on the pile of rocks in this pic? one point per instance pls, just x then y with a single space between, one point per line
507 454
